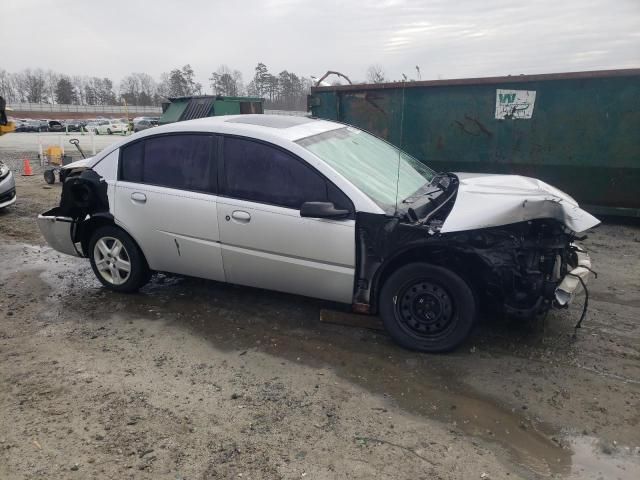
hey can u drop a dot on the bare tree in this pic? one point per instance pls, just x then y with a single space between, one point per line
51 79
163 86
31 84
138 89
7 90
375 74
285 90
224 81
78 86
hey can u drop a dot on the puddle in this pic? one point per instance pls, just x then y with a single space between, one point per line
238 318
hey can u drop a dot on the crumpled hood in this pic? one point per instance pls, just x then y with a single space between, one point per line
485 200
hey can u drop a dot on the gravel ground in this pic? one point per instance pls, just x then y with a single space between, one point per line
193 379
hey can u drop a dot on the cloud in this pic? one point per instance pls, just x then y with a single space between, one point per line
466 38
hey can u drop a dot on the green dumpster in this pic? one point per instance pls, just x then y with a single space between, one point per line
577 131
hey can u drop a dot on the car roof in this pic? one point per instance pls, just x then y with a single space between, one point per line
278 129
286 127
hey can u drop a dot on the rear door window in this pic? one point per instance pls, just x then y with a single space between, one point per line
131 161
183 161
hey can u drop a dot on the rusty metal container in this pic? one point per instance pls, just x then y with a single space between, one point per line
577 131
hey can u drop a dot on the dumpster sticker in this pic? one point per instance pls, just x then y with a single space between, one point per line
514 104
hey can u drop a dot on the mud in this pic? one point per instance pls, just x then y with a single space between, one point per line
196 379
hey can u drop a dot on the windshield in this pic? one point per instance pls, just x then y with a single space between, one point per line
371 164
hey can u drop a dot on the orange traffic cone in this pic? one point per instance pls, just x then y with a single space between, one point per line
27 171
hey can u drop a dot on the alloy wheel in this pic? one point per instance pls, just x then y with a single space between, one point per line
112 260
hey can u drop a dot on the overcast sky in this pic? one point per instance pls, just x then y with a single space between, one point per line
445 38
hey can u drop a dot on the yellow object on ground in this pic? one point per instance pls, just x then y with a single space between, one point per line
54 154
9 127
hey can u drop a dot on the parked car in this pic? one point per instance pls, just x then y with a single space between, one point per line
17 122
91 126
144 124
55 126
7 186
72 125
318 208
21 125
110 127
33 126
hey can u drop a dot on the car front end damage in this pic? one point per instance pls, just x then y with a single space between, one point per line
519 253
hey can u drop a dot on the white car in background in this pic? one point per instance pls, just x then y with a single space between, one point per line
321 209
109 127
7 186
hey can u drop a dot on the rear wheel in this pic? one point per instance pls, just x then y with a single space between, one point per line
116 260
427 308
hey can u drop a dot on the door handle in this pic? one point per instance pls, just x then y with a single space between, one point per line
139 197
240 216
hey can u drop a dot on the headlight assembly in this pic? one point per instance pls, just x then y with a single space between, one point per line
4 170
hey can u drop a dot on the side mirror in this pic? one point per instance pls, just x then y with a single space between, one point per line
322 210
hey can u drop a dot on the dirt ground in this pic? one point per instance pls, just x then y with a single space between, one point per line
193 379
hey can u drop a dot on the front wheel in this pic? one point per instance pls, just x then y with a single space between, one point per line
117 261
427 308
50 176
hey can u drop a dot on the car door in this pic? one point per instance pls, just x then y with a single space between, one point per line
265 242
165 198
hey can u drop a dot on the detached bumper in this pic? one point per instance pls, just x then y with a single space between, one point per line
58 232
579 275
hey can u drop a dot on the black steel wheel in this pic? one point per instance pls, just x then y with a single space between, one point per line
427 308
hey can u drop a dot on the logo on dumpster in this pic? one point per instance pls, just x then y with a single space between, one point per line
514 104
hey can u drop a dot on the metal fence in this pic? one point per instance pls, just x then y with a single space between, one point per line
59 107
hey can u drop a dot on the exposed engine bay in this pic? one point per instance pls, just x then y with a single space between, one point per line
521 268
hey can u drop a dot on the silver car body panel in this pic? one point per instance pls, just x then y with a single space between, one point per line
485 200
273 247
6 185
177 230
56 230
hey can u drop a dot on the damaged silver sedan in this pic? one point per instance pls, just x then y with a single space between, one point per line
321 209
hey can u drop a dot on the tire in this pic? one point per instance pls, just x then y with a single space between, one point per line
109 131
427 308
50 177
109 274
96 132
